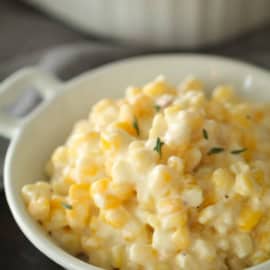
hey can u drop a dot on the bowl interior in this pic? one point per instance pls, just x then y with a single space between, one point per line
50 125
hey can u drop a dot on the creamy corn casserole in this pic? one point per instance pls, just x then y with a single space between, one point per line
164 178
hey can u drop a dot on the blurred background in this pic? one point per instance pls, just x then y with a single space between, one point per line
67 37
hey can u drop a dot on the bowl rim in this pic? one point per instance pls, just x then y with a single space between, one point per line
49 248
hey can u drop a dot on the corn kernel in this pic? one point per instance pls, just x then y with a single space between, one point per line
239 116
90 243
118 256
78 216
100 186
169 205
115 217
191 83
91 170
223 181
101 105
245 184
143 106
181 238
68 239
79 193
172 109
248 219
224 93
122 191
127 127
173 221
133 91
110 143
106 201
60 156
39 209
158 87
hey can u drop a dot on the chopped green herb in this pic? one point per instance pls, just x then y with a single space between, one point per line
136 126
158 146
205 134
157 107
238 151
67 206
215 150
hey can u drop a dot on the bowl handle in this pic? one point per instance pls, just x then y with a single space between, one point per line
12 88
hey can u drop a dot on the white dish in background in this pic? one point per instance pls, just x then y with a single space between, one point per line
161 23
34 138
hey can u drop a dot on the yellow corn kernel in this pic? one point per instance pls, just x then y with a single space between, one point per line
245 184
173 221
39 209
223 180
68 240
91 170
209 199
169 205
110 143
167 177
117 218
176 164
258 116
193 158
60 155
248 219
239 115
79 193
118 256
158 87
217 111
106 201
172 109
181 238
78 215
250 141
133 91
89 137
102 104
263 240
122 191
191 83
111 201
148 204
100 186
56 203
126 126
223 93
90 243
57 218
143 106
258 175
163 266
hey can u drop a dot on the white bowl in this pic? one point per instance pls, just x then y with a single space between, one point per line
161 23
34 138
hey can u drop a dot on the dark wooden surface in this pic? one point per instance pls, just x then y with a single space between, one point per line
25 31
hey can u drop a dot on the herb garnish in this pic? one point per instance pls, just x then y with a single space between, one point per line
158 146
136 126
205 134
67 206
215 150
157 107
238 151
